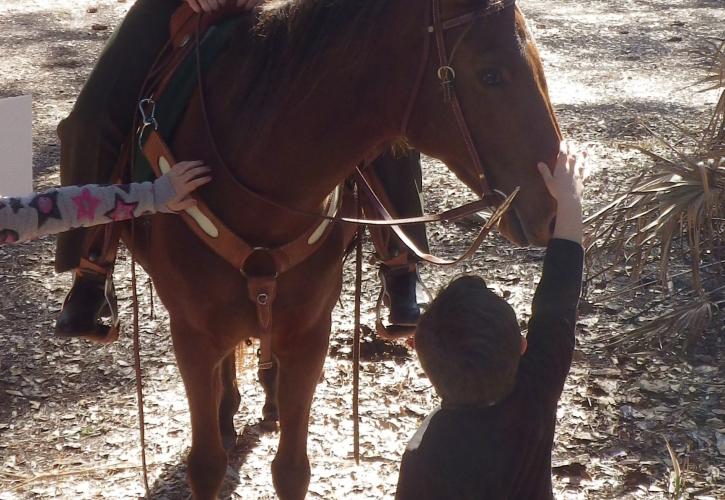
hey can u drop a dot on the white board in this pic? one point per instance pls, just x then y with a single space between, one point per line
16 146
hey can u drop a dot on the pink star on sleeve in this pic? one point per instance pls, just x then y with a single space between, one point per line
121 210
86 205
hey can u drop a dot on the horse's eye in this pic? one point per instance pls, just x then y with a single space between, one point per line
491 77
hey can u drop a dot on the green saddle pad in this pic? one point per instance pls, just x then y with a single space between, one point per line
171 105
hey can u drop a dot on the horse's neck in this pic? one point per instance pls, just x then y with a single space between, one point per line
306 138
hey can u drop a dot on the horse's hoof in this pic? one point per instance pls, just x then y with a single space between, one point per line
269 425
229 442
290 482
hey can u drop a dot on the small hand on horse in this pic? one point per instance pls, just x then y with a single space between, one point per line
185 177
566 185
212 5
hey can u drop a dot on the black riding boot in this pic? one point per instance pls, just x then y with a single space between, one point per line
399 294
91 298
401 180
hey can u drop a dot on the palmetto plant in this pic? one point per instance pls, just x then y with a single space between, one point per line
674 213
714 57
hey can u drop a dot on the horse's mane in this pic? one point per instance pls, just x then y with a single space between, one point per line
292 39
303 27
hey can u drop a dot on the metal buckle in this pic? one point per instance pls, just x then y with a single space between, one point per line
147 108
447 75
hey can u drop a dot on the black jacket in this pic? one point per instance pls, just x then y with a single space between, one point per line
504 451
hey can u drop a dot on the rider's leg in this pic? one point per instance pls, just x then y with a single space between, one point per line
401 178
91 139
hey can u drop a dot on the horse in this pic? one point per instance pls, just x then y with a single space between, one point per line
303 93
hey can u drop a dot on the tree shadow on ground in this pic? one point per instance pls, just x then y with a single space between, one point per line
172 482
42 26
52 372
623 120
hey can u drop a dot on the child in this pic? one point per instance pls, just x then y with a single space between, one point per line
492 436
61 209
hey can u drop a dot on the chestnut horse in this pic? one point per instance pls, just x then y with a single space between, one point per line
294 103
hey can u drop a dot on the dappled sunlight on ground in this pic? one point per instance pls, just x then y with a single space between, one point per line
68 410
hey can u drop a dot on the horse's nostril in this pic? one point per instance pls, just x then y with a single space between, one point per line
552 225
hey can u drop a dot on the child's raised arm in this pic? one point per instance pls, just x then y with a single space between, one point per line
551 327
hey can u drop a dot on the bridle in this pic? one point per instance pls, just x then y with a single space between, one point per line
437 28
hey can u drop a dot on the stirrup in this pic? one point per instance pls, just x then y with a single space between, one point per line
99 333
107 334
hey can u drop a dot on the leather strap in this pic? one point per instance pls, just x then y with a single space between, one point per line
447 76
261 284
492 7
263 291
485 229
226 244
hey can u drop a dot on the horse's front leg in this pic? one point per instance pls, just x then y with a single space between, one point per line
300 356
268 379
230 401
200 363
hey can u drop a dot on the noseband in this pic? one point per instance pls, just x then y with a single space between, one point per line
436 27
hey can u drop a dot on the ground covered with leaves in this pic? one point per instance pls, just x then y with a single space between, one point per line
68 409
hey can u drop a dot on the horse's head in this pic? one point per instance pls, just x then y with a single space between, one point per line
499 83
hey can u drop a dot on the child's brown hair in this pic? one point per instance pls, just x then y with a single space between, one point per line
469 343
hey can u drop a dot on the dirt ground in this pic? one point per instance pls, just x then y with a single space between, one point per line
68 424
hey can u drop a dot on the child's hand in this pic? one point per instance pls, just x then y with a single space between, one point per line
185 177
566 185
